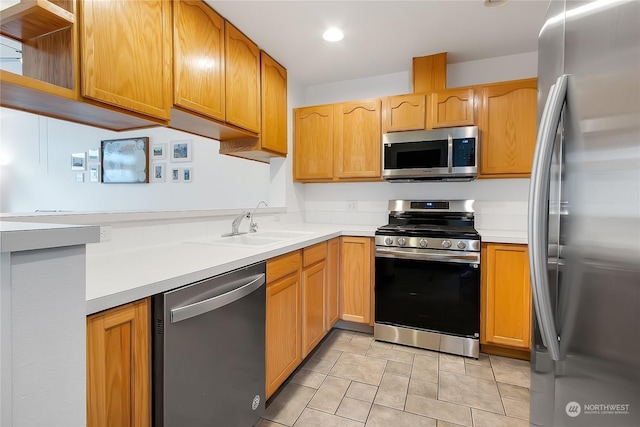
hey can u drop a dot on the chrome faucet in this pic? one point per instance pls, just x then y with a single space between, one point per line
236 224
253 225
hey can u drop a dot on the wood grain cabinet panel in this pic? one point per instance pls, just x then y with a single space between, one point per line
358 139
355 279
313 143
283 331
274 105
506 296
450 108
118 366
313 307
198 48
508 128
404 112
332 300
127 65
242 66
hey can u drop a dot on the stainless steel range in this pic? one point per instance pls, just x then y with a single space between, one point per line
427 280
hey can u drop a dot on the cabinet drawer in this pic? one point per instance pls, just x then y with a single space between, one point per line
314 253
283 265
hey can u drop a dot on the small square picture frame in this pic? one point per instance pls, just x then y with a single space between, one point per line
158 172
94 156
94 173
79 161
181 151
176 175
187 174
159 152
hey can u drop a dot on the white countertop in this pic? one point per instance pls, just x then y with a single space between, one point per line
25 236
125 276
503 236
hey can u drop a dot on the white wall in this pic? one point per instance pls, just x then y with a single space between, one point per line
329 202
35 162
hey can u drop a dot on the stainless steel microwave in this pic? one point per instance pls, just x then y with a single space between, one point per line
449 154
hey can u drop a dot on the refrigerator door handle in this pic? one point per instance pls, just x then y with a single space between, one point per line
538 227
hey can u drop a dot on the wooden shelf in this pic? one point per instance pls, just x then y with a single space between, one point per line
30 19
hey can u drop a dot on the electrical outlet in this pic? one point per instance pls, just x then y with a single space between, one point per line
105 233
352 205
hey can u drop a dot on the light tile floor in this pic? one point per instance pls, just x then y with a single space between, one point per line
353 381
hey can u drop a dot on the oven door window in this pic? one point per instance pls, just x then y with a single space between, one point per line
428 295
416 155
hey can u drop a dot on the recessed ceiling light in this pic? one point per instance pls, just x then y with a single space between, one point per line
333 35
493 3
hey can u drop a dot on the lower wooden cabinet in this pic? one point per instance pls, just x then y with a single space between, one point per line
506 296
356 279
284 322
119 366
332 300
314 276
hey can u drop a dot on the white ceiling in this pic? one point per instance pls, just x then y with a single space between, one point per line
382 37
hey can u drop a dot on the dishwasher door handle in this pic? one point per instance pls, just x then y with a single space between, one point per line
197 308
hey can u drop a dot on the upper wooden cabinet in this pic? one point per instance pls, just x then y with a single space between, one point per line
357 140
451 108
430 73
198 65
274 105
507 128
313 143
338 142
242 59
126 54
404 112
506 296
272 141
29 19
118 366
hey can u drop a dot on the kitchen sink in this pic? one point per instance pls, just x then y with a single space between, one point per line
258 239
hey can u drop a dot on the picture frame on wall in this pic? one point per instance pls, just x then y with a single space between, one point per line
94 156
159 152
187 174
125 161
158 172
79 161
176 175
94 173
181 151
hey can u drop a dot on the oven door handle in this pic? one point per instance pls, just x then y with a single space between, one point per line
429 255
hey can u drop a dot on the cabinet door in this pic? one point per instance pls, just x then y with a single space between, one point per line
506 295
118 367
358 140
449 108
283 331
313 143
508 129
333 278
355 279
313 320
404 112
274 105
126 54
198 48
242 68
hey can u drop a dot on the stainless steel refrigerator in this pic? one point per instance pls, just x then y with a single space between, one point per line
584 217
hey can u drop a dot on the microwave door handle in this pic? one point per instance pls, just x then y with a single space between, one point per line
538 198
450 152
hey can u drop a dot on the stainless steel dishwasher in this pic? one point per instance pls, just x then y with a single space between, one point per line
209 350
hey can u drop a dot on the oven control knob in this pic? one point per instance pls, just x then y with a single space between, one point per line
388 241
446 244
423 243
402 241
462 245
